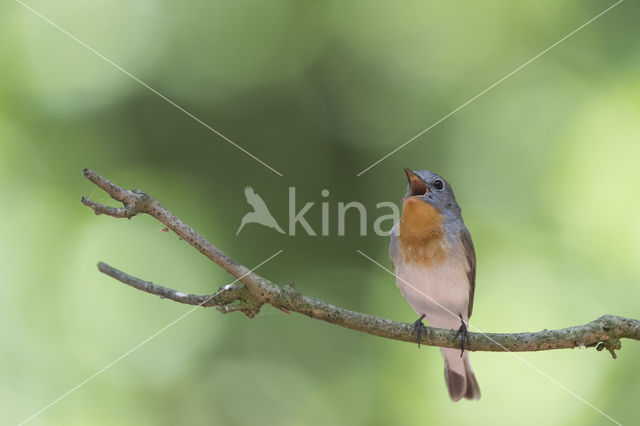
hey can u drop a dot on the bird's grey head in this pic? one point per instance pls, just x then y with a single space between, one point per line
432 189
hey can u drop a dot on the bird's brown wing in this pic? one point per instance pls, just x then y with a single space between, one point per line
470 254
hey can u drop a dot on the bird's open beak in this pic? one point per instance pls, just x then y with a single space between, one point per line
416 185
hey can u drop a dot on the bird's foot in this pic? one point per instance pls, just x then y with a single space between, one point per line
418 328
464 336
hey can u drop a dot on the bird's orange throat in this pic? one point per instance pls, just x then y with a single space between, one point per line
422 232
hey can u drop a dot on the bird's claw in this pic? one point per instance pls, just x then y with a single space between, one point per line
418 328
464 336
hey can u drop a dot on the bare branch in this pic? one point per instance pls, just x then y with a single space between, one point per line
225 295
136 202
248 297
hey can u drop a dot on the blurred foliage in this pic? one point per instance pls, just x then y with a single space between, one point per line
545 166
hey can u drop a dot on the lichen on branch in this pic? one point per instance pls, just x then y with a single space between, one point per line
249 292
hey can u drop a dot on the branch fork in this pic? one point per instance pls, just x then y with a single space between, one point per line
249 292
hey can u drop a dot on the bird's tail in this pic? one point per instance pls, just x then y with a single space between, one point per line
459 375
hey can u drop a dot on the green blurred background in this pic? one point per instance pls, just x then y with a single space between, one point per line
545 166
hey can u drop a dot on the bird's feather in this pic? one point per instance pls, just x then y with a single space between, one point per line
470 253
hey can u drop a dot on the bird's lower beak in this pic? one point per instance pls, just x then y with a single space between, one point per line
416 185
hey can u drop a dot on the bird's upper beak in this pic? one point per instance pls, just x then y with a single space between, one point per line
416 185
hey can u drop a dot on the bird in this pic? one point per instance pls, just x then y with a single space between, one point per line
435 266
260 213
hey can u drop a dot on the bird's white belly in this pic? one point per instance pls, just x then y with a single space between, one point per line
441 292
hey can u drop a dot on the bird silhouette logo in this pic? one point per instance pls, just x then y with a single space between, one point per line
260 213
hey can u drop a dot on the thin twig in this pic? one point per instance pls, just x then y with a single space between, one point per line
248 297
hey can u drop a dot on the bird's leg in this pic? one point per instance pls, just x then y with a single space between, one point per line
418 327
464 335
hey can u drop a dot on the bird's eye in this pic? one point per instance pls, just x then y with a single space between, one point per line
438 184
